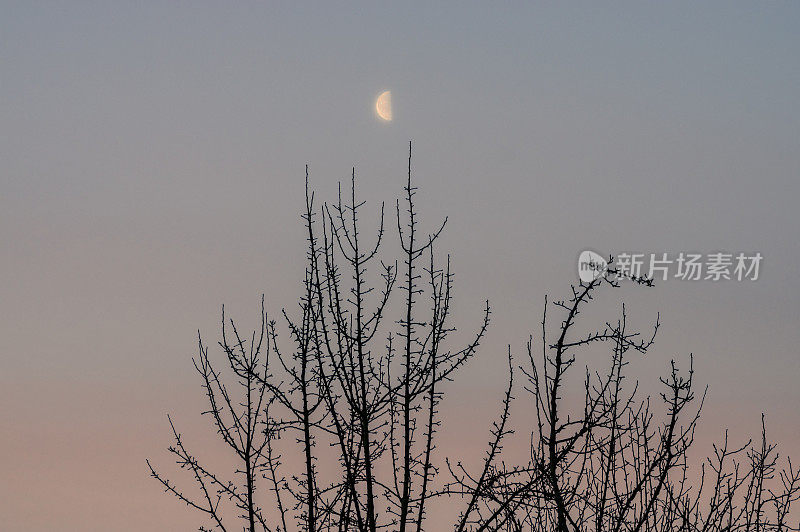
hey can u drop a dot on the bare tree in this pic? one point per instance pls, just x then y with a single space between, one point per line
617 461
242 420
363 385
357 383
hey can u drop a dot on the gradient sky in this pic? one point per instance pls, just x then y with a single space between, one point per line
152 169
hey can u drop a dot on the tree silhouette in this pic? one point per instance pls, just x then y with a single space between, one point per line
359 389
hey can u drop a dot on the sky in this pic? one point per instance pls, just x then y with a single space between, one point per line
153 161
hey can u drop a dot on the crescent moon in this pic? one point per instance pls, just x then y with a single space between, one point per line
383 106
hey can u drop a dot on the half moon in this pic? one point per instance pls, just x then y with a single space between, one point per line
383 106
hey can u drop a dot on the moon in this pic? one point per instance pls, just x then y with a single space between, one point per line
383 106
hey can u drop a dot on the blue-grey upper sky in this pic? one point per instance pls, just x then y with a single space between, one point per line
152 169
